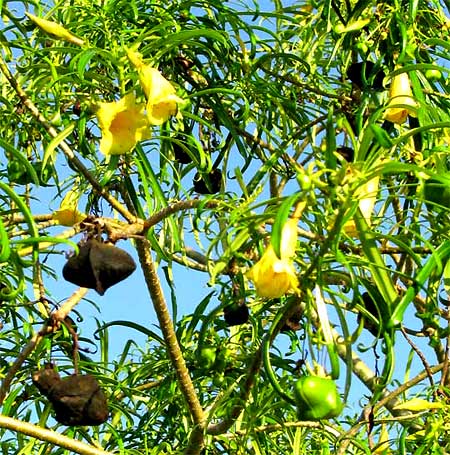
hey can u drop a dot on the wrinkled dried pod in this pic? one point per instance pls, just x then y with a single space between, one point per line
76 400
293 322
212 183
46 379
98 266
110 265
78 270
236 314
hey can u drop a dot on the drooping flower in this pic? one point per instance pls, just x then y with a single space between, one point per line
162 100
275 276
401 101
55 29
288 242
68 213
367 196
123 124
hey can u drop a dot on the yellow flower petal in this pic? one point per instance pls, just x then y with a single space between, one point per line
273 277
289 239
123 125
55 29
400 93
68 213
68 216
418 404
367 195
162 101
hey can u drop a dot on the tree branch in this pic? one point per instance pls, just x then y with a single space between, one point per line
173 348
50 436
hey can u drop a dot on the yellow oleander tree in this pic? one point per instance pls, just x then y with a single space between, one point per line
285 161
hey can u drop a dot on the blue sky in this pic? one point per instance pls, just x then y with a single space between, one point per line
129 300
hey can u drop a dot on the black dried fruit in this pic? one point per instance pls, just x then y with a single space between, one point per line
98 266
76 108
236 314
356 71
46 379
347 153
208 184
293 322
180 154
78 270
370 306
76 400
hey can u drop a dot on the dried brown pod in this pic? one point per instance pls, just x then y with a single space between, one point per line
76 400
347 153
98 266
180 154
236 314
361 72
293 322
209 184
371 307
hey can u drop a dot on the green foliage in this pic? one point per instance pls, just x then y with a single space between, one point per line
284 113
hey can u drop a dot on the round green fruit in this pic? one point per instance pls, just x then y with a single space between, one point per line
206 357
436 192
317 398
433 75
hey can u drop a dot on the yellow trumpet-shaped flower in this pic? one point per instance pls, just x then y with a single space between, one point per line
401 101
55 29
275 276
288 242
162 101
123 124
68 213
367 195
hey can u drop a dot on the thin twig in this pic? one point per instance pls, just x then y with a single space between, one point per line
390 401
227 422
420 354
140 226
49 436
47 328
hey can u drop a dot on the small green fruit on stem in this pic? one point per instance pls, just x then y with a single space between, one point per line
317 398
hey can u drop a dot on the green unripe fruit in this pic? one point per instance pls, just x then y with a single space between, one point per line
436 192
433 75
206 357
317 398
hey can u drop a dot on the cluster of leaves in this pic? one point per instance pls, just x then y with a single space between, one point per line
273 108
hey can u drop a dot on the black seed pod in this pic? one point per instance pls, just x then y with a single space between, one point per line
211 186
347 153
76 400
98 266
236 314
355 74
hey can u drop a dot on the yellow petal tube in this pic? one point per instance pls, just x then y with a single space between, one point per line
367 195
68 216
288 242
400 94
162 101
123 125
68 213
273 277
55 29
